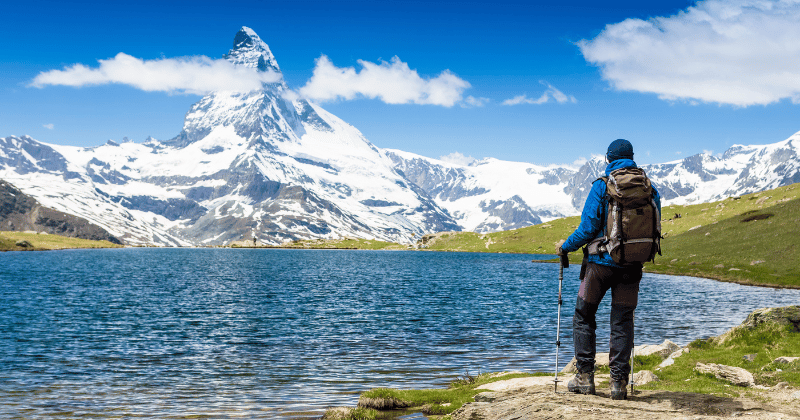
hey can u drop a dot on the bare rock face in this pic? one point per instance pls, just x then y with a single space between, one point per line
732 374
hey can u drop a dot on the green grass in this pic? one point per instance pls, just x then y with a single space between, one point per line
435 401
768 341
749 239
43 242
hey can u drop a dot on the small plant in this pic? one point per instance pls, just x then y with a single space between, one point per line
465 380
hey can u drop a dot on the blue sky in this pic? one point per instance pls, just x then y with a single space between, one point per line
674 77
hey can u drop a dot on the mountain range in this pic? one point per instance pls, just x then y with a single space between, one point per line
271 165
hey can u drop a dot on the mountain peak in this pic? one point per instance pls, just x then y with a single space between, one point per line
250 51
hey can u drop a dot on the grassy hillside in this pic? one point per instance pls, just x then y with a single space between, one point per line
749 239
43 242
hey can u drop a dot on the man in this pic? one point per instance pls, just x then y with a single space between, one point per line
603 273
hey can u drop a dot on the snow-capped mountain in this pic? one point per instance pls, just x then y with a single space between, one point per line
490 195
264 163
270 164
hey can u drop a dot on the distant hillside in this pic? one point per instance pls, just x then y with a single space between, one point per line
20 212
750 239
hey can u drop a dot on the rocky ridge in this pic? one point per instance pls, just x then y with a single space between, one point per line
20 212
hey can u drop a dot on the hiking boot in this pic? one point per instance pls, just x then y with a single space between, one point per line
582 383
619 389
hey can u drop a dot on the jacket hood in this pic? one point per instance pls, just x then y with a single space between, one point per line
618 164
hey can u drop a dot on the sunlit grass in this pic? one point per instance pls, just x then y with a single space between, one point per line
41 241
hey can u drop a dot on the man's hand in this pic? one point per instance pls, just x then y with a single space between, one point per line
560 251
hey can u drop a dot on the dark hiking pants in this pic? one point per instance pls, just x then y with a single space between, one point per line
624 285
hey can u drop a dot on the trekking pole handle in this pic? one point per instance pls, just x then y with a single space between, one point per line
565 261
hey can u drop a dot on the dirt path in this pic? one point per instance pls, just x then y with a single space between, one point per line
533 398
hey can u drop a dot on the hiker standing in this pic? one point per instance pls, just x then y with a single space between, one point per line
613 260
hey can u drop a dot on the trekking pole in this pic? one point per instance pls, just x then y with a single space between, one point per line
633 350
564 263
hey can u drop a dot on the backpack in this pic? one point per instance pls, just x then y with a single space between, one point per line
633 222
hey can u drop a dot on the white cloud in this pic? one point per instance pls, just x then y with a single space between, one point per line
579 162
737 52
473 102
192 75
457 158
49 126
551 94
391 82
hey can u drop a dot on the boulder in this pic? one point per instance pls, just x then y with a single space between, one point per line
795 395
24 244
785 360
643 377
671 359
734 375
664 349
750 357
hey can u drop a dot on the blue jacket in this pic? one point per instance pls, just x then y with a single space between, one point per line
593 218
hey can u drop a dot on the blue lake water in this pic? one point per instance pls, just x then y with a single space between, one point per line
248 333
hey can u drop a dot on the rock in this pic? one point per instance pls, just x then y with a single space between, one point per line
734 375
781 385
750 357
664 349
24 244
757 262
667 362
785 360
795 395
644 377
486 397
719 266
787 315
679 353
601 359
671 358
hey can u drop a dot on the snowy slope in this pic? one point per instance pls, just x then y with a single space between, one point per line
490 194
493 195
263 163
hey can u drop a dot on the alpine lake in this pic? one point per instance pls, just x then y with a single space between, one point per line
271 333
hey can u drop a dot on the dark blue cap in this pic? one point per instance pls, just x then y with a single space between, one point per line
619 149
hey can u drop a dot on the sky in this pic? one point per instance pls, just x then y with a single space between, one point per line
539 82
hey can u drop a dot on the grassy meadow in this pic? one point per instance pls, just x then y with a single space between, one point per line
749 239
45 242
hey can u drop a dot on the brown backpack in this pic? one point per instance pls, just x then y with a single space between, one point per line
633 222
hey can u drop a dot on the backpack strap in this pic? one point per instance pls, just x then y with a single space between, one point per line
596 246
